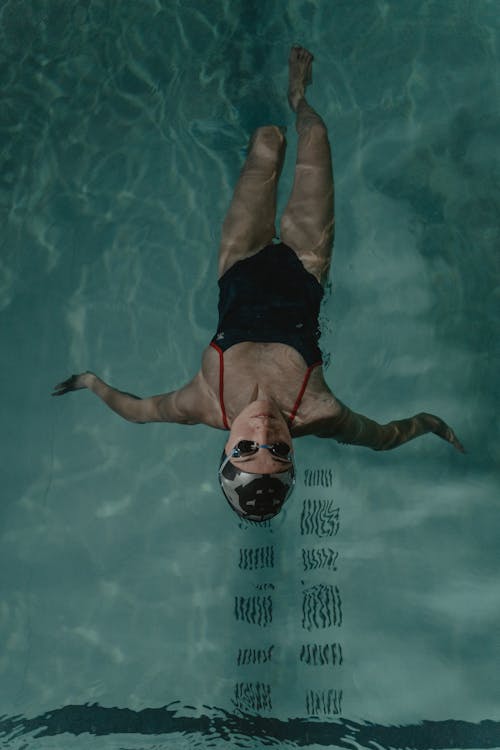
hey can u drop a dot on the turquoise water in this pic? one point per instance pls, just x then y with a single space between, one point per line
135 610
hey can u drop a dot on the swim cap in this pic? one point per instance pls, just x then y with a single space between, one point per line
256 497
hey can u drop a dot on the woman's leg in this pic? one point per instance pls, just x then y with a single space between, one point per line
249 223
307 224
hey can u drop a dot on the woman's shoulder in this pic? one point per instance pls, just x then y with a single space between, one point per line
199 402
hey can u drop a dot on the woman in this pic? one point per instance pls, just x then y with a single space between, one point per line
261 376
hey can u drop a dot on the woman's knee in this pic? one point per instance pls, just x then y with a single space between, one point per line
318 129
268 139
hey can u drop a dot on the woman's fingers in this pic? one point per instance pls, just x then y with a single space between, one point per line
440 428
71 384
452 438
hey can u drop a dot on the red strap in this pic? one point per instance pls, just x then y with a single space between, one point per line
221 383
302 390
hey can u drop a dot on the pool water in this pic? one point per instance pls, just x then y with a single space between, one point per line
136 610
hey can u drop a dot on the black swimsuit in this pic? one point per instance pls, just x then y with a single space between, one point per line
269 297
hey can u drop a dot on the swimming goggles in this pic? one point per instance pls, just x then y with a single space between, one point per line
245 448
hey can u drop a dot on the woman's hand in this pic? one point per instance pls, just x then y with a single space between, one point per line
438 427
74 383
128 406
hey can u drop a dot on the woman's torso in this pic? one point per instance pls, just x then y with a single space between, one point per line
278 370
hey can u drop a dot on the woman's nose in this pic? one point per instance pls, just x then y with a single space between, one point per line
265 432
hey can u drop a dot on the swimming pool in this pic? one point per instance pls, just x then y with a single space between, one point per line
136 611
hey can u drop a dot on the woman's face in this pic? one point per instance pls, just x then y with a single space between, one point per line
261 422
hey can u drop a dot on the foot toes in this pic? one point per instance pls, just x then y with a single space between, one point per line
301 55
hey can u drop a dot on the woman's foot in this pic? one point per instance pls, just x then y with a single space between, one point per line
299 74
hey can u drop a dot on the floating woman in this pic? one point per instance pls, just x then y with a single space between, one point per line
261 376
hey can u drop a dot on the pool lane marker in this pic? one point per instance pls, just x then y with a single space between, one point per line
321 600
321 604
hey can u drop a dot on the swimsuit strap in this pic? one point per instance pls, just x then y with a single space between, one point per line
221 386
221 383
302 390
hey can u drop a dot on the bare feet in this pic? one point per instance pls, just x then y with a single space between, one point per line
299 74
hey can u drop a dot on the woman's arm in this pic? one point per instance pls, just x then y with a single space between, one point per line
356 429
177 406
